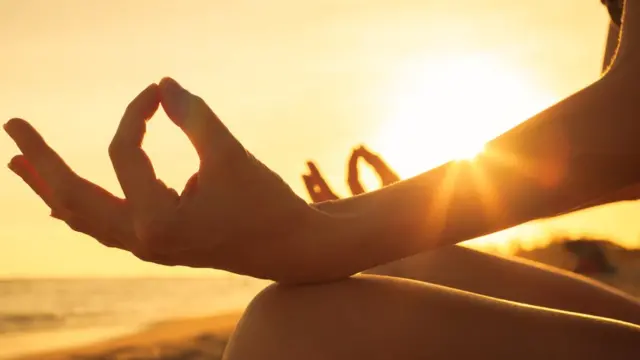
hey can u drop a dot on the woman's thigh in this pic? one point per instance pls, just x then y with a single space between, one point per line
373 317
515 280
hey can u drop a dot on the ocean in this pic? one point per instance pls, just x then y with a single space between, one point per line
45 314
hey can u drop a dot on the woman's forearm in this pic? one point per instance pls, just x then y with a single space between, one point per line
559 160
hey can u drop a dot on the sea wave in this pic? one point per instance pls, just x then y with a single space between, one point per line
51 305
24 322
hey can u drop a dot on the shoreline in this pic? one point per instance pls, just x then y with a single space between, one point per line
179 338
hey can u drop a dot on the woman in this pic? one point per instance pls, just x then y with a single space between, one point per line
237 215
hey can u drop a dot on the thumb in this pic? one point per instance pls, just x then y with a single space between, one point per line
209 136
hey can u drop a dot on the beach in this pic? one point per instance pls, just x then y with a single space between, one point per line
173 319
127 317
193 339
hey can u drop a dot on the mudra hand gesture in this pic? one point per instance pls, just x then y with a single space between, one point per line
320 191
234 213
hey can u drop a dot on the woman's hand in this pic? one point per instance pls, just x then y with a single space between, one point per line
320 191
317 186
384 172
234 213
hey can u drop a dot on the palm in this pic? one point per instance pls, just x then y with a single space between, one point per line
247 203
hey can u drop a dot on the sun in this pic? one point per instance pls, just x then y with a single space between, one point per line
448 108
467 152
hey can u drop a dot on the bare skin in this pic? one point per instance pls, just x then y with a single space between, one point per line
473 271
373 317
267 231
383 318
320 191
412 320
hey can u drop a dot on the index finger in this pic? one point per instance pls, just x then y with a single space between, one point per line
133 167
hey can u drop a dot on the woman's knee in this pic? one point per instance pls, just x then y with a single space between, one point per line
297 305
337 320
347 319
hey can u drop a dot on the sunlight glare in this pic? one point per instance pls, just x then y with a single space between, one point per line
448 108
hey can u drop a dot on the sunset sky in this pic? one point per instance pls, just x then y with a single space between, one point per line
418 81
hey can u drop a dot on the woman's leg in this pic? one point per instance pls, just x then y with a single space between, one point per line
373 317
516 280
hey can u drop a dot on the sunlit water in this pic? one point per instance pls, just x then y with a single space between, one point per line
38 315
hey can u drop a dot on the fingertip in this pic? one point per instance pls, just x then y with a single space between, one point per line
312 166
16 161
18 157
154 90
212 140
147 101
151 87
170 86
167 81
173 101
17 167
14 125
13 122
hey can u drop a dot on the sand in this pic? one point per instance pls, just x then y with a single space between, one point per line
193 339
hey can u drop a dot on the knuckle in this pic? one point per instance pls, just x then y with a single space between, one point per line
116 148
200 103
131 107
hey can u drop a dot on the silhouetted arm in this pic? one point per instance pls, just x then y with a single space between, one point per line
573 153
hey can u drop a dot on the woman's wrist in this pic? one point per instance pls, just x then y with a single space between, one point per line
323 250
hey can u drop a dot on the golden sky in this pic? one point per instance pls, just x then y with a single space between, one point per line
292 79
